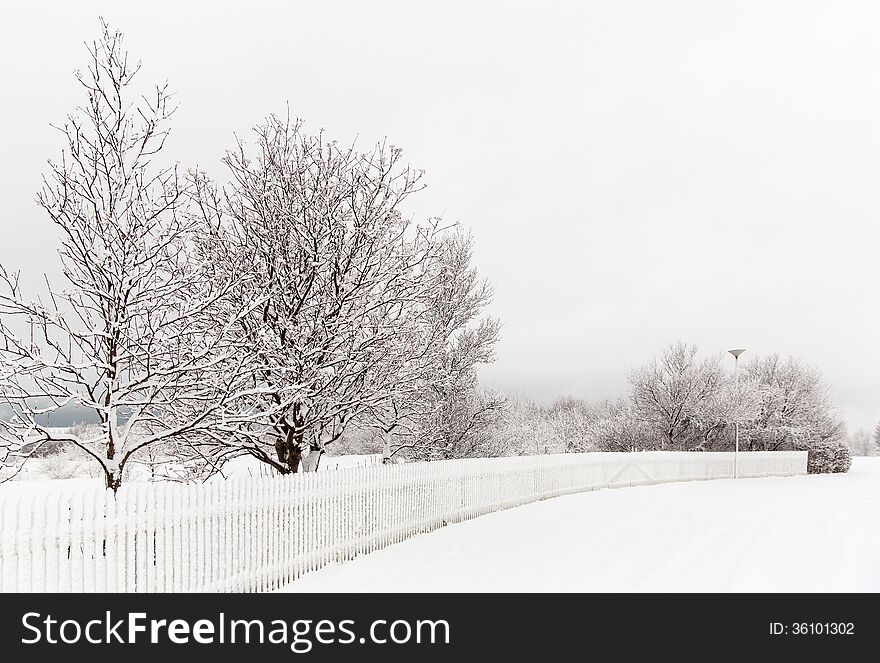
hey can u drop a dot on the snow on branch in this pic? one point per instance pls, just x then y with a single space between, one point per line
138 337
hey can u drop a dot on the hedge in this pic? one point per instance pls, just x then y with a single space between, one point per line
828 457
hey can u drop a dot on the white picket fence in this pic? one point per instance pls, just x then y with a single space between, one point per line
256 534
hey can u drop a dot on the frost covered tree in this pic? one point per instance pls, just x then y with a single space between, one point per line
569 423
876 439
443 413
860 443
523 428
343 274
135 335
613 426
734 401
691 403
673 396
794 409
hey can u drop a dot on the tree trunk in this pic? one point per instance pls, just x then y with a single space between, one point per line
113 480
294 457
312 460
386 448
289 451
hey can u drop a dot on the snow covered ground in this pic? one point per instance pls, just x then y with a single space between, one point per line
37 477
808 533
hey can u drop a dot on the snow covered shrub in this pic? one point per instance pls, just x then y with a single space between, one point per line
59 466
828 457
842 457
357 441
67 463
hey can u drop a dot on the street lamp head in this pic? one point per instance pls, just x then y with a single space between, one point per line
736 352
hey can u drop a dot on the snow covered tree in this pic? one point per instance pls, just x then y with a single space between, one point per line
524 428
613 426
343 275
795 408
673 394
136 335
860 443
876 439
442 412
734 401
569 422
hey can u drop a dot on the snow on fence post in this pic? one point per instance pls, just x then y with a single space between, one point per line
259 533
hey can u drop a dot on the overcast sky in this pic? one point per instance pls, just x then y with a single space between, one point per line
634 172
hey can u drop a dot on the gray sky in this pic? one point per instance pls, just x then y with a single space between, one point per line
634 172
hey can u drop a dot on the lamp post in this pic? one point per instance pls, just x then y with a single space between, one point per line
736 352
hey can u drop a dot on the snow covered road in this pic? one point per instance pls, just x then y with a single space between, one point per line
808 533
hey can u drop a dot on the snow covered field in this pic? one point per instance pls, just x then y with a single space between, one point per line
808 533
35 479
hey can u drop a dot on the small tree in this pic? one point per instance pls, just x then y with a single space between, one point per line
438 410
137 334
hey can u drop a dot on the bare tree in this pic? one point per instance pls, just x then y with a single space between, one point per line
343 275
136 335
